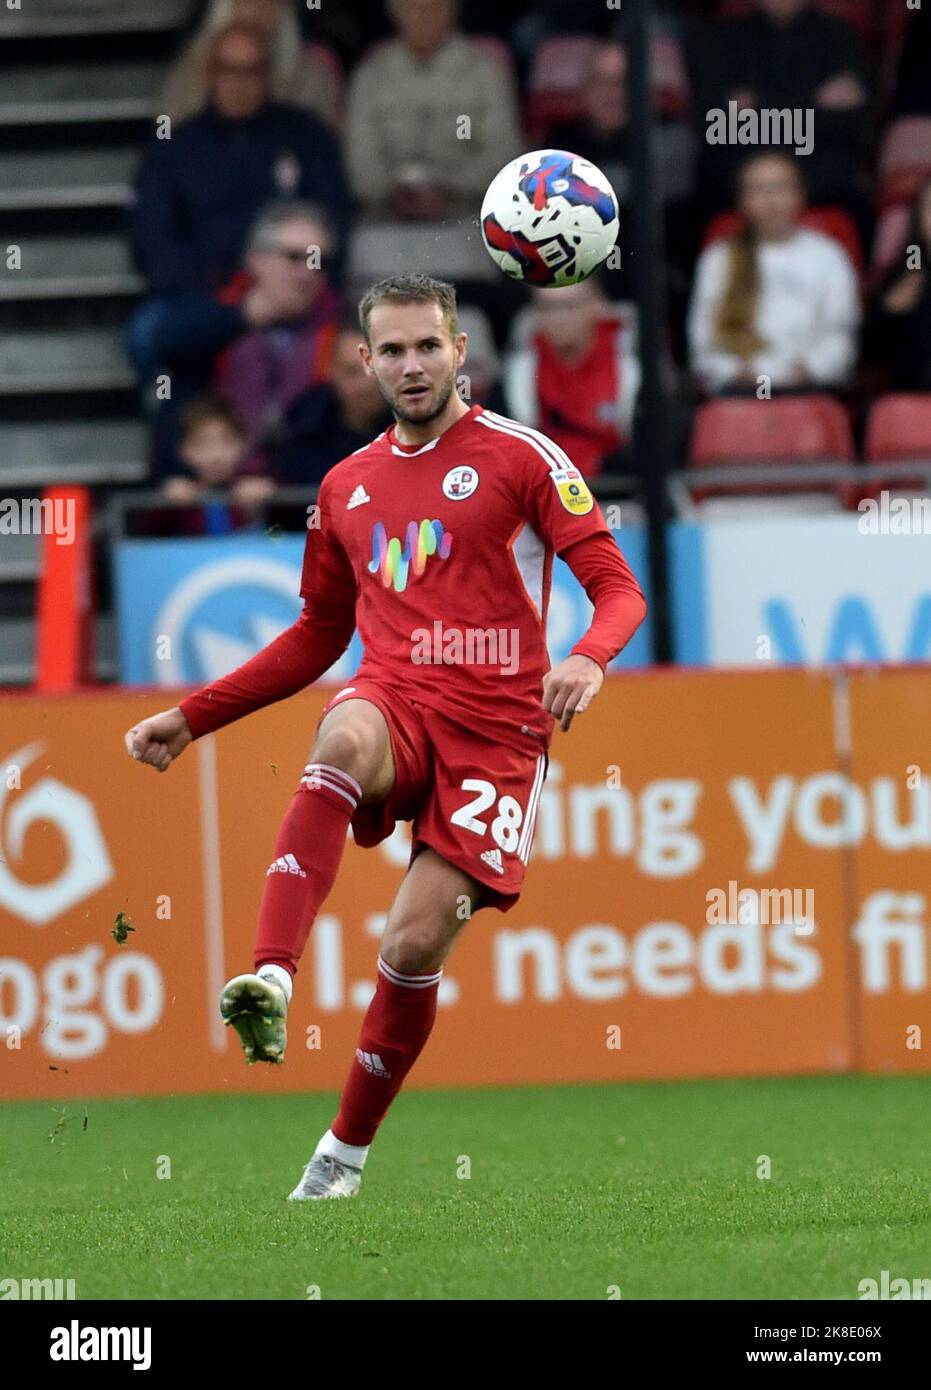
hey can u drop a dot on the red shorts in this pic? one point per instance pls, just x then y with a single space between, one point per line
471 799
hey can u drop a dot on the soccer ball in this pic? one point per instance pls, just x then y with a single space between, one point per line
549 218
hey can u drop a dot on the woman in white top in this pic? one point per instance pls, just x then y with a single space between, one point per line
298 78
776 306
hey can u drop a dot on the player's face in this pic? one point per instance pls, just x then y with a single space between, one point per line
414 359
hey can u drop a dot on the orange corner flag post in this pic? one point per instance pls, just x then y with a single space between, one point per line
64 628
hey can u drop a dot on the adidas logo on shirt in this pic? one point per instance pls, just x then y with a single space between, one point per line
492 857
372 1062
358 497
286 864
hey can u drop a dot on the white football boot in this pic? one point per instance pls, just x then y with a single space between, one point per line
326 1177
257 1007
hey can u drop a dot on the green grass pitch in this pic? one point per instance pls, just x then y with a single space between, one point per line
650 1189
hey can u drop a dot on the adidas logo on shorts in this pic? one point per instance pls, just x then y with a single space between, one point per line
492 857
286 864
372 1062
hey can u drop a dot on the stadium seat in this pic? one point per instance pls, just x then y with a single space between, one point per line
889 241
899 429
859 13
559 67
557 78
832 221
904 160
789 430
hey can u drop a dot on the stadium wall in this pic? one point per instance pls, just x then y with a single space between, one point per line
635 951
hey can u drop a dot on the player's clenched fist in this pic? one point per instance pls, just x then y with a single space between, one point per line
160 739
570 688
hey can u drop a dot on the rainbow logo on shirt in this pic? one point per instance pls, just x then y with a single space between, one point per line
396 562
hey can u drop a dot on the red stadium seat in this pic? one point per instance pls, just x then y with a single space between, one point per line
890 238
557 79
899 429
670 76
832 221
904 159
860 13
558 72
788 430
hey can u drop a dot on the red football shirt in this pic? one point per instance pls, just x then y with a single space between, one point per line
442 555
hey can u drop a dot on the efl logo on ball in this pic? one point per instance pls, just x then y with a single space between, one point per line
550 218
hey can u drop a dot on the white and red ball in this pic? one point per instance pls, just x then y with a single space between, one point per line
549 218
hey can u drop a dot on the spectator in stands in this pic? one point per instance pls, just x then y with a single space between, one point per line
898 333
408 152
788 55
198 192
602 135
266 339
576 376
297 76
333 419
776 301
293 312
212 449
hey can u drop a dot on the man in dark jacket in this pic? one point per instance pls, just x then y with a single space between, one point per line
198 191
787 56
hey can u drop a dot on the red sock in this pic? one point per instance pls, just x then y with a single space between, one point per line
394 1031
308 851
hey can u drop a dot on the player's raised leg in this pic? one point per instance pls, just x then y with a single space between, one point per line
423 923
351 762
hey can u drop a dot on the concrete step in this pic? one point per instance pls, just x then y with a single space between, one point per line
41 18
69 267
73 451
106 92
17 649
71 360
57 179
19 557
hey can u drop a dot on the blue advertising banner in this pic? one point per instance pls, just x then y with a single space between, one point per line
802 591
191 610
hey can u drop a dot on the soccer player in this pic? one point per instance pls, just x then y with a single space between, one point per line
437 540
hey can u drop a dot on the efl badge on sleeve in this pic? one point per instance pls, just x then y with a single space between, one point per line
573 493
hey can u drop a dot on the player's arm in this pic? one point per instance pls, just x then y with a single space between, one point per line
562 510
296 658
620 608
